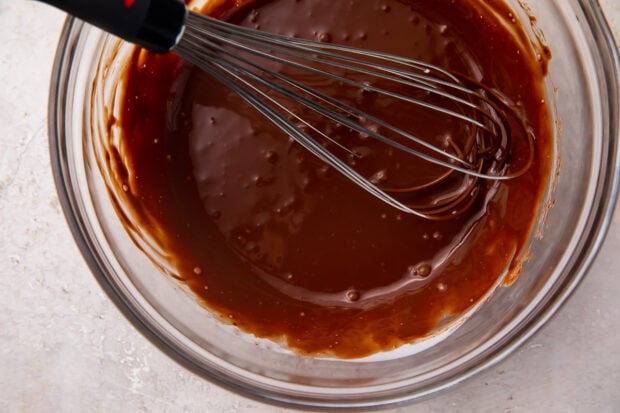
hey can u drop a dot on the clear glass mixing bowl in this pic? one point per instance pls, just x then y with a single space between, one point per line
584 69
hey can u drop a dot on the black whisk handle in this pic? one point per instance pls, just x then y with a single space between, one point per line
153 24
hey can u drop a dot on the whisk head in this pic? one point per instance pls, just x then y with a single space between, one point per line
389 107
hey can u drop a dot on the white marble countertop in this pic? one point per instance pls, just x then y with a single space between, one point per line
64 347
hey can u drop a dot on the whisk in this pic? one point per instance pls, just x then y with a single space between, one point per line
229 53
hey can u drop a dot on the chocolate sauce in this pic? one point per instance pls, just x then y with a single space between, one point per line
282 246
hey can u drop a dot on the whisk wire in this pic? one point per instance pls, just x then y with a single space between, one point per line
195 40
336 117
246 37
251 41
220 49
301 137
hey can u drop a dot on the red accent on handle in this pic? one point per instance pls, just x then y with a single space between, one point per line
129 3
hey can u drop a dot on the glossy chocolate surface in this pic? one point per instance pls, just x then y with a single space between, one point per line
284 247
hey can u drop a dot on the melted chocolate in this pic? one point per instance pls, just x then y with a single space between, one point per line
285 248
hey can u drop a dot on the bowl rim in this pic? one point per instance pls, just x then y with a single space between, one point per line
594 237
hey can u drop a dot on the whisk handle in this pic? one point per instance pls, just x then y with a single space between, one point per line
153 24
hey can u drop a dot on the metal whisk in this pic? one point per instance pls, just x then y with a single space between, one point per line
236 56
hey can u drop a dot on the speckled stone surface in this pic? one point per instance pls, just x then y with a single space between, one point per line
64 347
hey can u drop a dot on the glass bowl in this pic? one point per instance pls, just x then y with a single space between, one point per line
584 72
